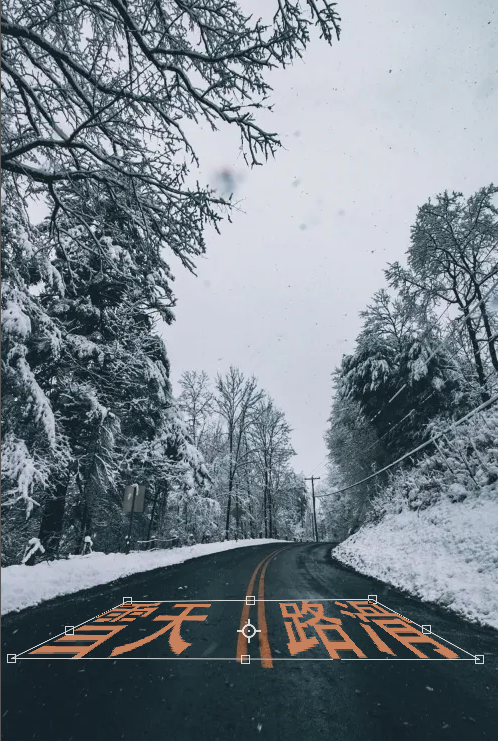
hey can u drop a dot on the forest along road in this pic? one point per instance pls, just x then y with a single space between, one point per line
293 688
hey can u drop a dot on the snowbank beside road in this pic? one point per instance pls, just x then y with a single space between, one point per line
25 586
447 554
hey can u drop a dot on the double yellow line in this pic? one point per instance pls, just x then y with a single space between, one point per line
264 644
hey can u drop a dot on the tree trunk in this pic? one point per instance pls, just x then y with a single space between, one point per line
164 508
270 507
52 520
250 510
185 519
265 503
489 332
151 521
229 506
477 354
237 516
230 481
86 526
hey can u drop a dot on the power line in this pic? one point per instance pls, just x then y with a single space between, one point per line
470 414
320 464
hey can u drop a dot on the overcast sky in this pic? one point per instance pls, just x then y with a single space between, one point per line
403 107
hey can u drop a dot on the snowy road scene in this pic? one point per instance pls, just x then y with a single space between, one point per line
249 370
347 665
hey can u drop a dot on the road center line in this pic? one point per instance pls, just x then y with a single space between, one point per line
242 646
264 646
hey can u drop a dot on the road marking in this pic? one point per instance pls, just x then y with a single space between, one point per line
242 640
264 645
96 639
176 642
377 640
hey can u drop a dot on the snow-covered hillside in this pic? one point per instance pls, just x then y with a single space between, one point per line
434 530
447 553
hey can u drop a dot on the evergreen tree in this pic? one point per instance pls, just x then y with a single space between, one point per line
398 375
33 442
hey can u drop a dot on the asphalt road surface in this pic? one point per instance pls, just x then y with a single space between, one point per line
325 664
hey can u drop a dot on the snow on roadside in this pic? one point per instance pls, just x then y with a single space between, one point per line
26 586
447 554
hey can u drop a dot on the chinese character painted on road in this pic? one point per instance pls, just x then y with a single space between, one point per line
366 610
92 635
176 642
408 635
301 631
129 613
396 626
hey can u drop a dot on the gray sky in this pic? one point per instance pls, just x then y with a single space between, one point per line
403 107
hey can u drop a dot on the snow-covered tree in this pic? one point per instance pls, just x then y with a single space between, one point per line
413 367
34 447
245 443
196 400
452 260
269 436
462 464
99 107
236 400
398 374
98 98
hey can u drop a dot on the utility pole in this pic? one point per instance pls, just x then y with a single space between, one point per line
313 479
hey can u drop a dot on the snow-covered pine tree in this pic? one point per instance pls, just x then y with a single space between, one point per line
399 374
113 391
34 448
